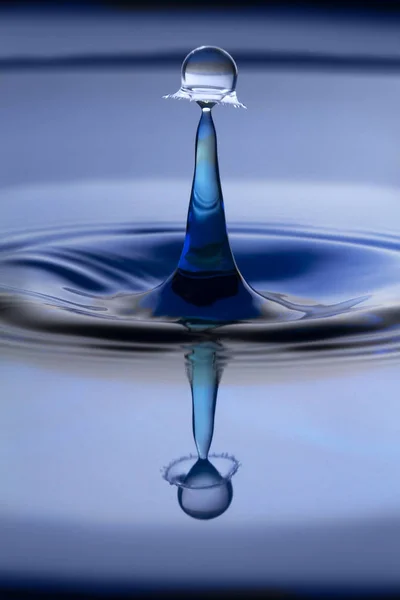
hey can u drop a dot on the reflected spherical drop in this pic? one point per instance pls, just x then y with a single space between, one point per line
205 494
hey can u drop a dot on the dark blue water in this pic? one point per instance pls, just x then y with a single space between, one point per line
334 290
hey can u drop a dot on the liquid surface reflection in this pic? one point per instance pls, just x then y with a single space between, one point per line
204 490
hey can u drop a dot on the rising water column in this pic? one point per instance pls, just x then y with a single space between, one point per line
206 287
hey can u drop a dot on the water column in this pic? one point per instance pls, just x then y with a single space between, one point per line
206 248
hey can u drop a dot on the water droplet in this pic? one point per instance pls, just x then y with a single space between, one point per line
209 76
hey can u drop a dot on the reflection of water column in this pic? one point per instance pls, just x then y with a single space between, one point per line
204 375
204 492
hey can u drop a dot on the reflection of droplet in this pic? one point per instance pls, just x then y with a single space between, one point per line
209 75
204 489
205 493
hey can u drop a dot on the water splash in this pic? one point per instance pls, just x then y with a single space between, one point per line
206 288
204 492
209 76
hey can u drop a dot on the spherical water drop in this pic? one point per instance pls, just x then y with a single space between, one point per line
209 76
209 69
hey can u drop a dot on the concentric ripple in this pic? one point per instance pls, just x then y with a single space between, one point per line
66 291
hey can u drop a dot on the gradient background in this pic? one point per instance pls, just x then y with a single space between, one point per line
82 502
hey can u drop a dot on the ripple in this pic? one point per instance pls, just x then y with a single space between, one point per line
62 289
